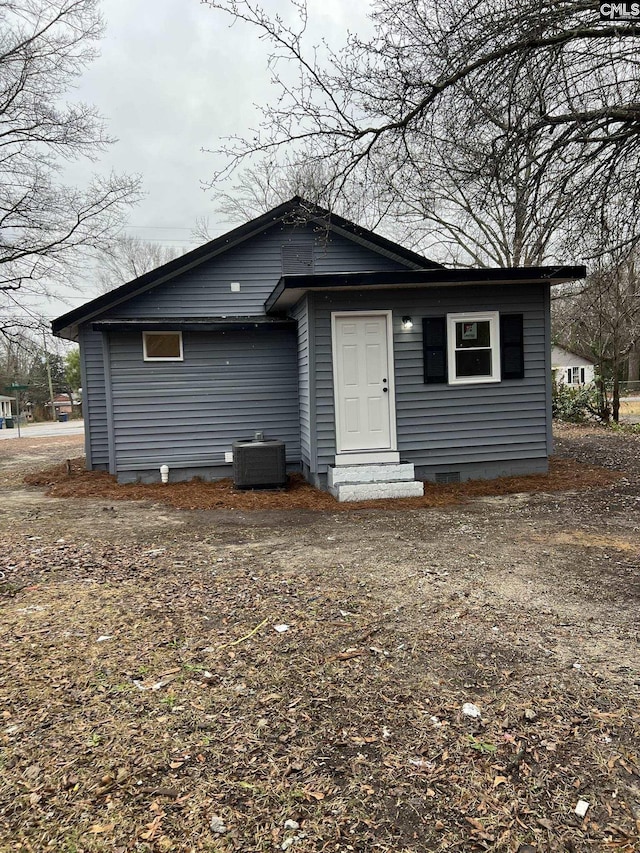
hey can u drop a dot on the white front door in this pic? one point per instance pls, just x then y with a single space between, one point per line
363 381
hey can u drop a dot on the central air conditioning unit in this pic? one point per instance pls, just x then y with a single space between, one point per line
259 464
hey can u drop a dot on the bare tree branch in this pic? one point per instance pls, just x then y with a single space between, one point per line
44 46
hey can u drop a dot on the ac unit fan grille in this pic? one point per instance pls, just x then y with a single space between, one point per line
259 464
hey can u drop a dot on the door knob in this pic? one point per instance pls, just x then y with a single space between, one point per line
386 390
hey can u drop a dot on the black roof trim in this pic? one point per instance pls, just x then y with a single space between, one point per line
415 278
298 208
193 324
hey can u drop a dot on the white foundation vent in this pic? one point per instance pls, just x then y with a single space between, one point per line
448 477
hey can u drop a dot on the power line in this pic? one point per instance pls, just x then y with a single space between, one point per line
168 242
159 227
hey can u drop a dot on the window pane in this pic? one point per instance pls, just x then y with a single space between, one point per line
473 363
165 345
473 334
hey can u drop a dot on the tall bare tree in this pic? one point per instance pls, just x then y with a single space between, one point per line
500 134
270 182
375 94
482 206
126 258
531 101
45 45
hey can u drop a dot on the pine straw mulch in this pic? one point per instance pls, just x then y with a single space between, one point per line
72 480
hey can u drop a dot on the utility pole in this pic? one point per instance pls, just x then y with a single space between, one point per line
46 361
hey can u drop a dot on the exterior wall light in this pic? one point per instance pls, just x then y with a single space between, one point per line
407 323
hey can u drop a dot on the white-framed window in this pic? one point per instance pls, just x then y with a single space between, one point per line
162 346
575 376
473 341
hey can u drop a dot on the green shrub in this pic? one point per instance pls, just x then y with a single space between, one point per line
575 405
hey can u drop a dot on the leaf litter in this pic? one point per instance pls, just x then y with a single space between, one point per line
198 727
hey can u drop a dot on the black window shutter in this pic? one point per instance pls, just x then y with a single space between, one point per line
434 342
512 346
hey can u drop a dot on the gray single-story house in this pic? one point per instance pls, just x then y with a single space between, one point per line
377 367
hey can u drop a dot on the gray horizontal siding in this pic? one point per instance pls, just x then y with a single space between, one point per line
188 413
442 424
94 405
300 313
257 264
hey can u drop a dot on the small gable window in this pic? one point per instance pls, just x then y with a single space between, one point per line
162 346
474 347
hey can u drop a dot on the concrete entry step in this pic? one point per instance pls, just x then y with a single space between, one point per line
379 473
377 491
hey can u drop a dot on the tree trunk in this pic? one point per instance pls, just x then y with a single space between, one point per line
604 413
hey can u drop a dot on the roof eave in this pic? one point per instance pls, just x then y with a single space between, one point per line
196 324
292 288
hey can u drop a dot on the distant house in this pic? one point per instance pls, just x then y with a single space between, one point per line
5 406
377 367
62 405
570 368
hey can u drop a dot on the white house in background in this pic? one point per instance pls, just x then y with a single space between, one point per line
571 369
5 407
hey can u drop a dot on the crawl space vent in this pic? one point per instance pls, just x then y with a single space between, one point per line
297 258
448 477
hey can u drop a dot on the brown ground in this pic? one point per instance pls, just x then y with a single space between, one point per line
147 702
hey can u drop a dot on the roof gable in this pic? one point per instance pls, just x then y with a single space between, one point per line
561 357
239 281
293 216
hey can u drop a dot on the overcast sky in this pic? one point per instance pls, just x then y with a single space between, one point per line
175 77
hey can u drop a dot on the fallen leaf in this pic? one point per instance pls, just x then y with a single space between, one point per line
354 653
99 828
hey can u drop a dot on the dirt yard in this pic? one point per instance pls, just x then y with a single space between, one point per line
253 680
